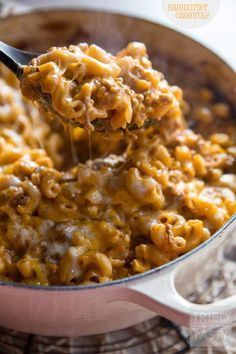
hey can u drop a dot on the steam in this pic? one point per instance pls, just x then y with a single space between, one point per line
113 40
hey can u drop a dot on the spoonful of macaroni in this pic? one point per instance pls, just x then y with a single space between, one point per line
83 85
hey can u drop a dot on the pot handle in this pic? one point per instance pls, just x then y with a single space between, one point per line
160 295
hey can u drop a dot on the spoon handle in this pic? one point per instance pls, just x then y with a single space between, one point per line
9 58
15 58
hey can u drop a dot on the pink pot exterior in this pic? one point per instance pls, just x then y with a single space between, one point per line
68 313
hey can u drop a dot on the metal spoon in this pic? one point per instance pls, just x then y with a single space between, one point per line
15 58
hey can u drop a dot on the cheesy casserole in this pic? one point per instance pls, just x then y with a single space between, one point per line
86 86
136 203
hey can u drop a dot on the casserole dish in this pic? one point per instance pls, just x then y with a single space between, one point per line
87 310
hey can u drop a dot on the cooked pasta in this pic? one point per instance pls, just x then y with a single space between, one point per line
87 86
136 204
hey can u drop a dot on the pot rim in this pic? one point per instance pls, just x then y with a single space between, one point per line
133 278
29 11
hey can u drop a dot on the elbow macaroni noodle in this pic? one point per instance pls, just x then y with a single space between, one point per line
139 203
92 88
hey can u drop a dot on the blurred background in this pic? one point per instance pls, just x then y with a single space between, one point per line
219 34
